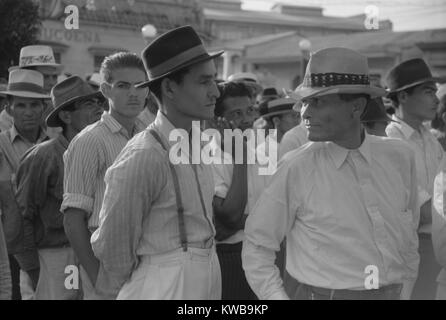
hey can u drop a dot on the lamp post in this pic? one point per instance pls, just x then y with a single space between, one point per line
148 32
304 46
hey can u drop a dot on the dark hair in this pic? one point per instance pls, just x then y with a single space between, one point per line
177 77
394 96
118 61
227 90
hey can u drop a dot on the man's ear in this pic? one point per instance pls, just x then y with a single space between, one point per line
402 96
359 106
65 116
105 88
168 88
443 117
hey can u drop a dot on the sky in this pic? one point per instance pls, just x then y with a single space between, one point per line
405 14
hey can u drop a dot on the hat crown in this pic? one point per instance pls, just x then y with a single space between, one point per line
70 88
408 73
337 60
172 49
25 76
248 76
36 55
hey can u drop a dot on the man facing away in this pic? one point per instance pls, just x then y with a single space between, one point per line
93 150
346 202
412 90
40 190
156 235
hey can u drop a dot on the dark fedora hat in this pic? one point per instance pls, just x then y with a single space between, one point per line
172 51
65 93
408 74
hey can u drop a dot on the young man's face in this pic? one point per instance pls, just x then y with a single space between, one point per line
422 103
27 112
50 75
240 111
86 112
196 95
327 118
125 99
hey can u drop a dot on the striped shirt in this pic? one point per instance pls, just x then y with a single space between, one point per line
139 213
86 160
341 211
428 156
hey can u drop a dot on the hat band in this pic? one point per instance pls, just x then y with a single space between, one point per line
177 60
283 107
32 60
26 86
334 79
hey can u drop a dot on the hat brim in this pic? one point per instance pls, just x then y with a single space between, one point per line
53 120
189 63
304 93
25 94
416 83
58 66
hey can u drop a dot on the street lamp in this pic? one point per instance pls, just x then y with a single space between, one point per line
148 32
304 46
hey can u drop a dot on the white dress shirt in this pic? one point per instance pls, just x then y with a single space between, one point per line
341 211
428 156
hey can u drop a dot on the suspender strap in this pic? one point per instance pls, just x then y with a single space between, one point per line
176 184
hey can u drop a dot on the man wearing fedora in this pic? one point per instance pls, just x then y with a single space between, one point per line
346 202
40 190
95 149
411 87
24 96
156 236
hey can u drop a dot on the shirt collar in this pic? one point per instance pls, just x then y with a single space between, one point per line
407 130
15 134
339 154
114 126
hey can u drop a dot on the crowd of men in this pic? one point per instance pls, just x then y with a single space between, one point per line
87 182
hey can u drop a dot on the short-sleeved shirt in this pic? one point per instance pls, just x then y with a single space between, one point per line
86 160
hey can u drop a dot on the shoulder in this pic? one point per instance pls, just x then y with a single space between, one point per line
393 148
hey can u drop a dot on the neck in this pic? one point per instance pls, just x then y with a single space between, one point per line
69 133
412 121
178 119
353 139
126 122
30 135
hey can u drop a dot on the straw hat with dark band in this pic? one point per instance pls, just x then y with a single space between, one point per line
172 51
279 106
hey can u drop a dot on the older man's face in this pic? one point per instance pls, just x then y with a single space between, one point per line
327 118
27 112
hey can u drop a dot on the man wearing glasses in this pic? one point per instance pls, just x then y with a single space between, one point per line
40 191
93 151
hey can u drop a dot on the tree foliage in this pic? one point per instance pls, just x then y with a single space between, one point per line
19 27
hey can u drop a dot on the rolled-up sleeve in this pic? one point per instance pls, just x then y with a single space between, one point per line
82 164
132 183
265 229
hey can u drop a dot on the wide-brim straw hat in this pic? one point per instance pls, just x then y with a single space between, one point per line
25 83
